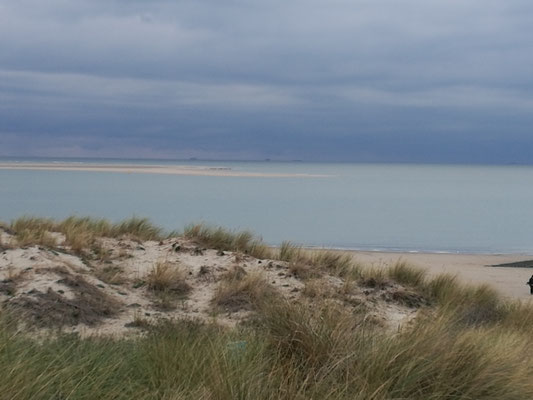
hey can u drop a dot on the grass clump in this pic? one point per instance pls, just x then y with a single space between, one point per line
375 277
110 274
168 277
444 288
242 291
310 337
289 252
222 239
81 232
405 274
318 288
302 270
338 263
138 228
29 237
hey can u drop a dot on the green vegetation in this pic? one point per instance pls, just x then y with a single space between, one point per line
465 343
225 240
167 282
289 351
80 232
239 290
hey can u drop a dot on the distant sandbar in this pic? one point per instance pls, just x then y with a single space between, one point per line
151 169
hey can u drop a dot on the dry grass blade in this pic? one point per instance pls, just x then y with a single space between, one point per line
242 292
223 239
406 274
39 237
111 274
167 277
289 252
138 228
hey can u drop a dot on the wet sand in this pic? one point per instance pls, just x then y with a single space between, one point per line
469 268
151 169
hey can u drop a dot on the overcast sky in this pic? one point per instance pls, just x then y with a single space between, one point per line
376 80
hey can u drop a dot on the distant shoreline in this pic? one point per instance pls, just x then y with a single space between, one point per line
150 169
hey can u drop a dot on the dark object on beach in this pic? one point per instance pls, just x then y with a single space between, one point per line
176 247
530 283
197 251
517 264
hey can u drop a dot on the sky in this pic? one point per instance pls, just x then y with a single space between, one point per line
316 80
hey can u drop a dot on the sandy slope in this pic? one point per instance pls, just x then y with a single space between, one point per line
103 291
58 289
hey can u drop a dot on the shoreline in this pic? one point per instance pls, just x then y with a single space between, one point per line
414 252
150 169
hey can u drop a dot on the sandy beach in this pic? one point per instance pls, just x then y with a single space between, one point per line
469 268
151 169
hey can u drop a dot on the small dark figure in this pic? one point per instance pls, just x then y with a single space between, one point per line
530 283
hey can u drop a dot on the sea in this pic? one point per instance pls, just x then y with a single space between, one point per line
375 207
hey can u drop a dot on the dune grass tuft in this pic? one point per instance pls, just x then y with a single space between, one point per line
406 274
168 277
81 232
242 291
226 240
289 252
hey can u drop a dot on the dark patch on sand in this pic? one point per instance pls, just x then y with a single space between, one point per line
89 306
517 264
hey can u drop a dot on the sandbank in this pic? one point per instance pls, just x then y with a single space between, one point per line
151 169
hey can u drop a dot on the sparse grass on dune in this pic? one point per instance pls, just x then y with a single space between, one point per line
289 252
27 237
302 270
110 274
168 283
465 343
374 277
27 223
317 261
167 277
337 263
81 232
290 351
241 291
405 274
138 228
226 240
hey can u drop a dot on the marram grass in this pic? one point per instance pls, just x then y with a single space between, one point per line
290 351
468 343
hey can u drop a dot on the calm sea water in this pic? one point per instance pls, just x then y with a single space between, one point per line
433 208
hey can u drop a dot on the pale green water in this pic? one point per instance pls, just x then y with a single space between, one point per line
387 207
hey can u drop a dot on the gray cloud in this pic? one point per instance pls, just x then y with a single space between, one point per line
329 80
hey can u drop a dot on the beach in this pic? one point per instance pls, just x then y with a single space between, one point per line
469 268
